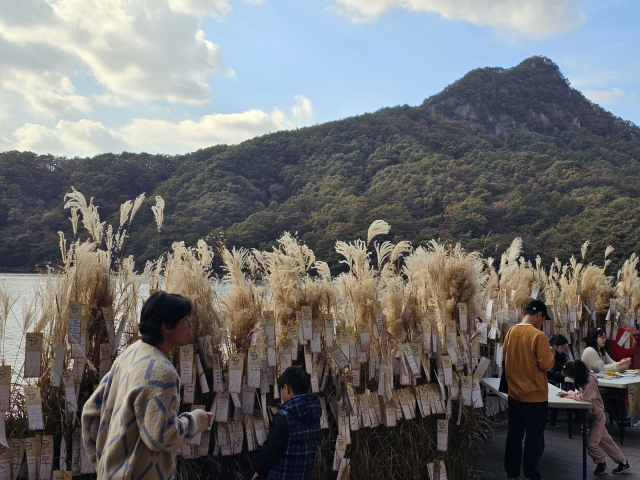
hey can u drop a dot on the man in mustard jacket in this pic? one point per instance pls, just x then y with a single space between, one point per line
528 357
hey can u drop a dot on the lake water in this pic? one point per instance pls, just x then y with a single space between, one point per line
21 287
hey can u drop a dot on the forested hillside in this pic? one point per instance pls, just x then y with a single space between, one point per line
500 153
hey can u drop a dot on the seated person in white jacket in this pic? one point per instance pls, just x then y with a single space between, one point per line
596 358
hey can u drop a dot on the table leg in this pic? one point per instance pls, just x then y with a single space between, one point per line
570 422
623 410
584 444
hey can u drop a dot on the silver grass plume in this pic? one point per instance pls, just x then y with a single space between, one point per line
585 247
158 211
125 208
379 227
137 203
74 220
63 247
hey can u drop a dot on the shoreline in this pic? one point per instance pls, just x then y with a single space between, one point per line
18 270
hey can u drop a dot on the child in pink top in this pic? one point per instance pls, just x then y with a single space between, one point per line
587 391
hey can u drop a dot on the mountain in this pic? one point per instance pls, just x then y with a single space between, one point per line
498 154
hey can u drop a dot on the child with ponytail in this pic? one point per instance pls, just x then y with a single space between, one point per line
599 438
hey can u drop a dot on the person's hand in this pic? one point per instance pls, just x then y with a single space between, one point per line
563 394
255 475
553 349
209 417
625 362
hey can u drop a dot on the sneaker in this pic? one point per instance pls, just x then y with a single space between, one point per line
600 469
622 468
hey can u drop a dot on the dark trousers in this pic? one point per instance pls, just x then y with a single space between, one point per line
525 418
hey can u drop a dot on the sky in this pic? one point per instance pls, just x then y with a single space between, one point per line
83 77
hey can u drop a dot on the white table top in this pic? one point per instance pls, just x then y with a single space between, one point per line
623 382
554 400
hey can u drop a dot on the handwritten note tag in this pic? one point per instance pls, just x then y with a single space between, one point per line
341 360
307 331
462 316
70 391
236 364
341 448
443 435
107 315
46 457
34 408
105 359
254 364
186 364
328 331
5 388
33 360
5 463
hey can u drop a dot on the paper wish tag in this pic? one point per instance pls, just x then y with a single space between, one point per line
624 338
58 364
338 356
482 333
218 383
254 364
5 463
33 357
443 470
46 457
60 475
32 447
3 431
186 364
448 373
70 391
316 337
270 328
5 388
466 387
462 316
107 315
189 391
202 378
341 448
443 435
105 359
34 408
236 363
17 453
307 332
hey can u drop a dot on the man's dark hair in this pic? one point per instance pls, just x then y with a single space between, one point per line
297 379
161 307
558 340
592 339
577 370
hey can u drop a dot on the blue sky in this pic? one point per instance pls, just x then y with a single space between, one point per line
82 77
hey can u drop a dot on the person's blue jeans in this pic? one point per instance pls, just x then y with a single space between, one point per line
527 418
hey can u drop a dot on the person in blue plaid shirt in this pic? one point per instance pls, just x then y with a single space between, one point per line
290 449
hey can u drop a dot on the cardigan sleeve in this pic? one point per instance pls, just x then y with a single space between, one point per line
91 413
596 363
160 426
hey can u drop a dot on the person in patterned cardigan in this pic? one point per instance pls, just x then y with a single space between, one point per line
130 425
289 453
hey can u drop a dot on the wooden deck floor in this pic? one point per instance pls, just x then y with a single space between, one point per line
562 458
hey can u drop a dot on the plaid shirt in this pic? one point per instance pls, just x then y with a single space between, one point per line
302 417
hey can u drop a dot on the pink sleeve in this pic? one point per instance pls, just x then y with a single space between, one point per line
588 393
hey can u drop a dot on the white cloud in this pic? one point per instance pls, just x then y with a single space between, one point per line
86 137
211 8
530 17
140 49
303 107
607 96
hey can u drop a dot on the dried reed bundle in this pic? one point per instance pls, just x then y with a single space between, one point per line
187 271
